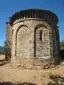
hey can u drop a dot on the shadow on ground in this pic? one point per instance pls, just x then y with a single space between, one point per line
3 62
10 83
58 80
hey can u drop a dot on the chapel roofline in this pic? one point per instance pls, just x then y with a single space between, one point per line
17 14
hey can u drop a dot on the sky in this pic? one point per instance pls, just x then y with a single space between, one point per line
9 7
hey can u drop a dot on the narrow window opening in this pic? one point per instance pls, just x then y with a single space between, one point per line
40 35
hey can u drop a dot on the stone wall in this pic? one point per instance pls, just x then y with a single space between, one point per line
42 44
26 41
8 40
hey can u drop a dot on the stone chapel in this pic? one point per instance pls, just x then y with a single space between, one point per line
32 37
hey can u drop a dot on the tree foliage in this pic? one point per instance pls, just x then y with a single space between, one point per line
7 51
62 44
1 50
5 46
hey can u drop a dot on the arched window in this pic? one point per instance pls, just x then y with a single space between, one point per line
40 35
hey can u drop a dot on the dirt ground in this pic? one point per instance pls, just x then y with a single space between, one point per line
19 76
2 56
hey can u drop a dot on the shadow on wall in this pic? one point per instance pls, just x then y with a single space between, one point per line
10 83
62 55
58 80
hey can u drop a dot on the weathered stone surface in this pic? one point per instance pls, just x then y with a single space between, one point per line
34 36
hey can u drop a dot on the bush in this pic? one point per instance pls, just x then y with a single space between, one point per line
7 51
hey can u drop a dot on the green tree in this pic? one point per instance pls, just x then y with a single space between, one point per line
62 44
7 51
5 47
